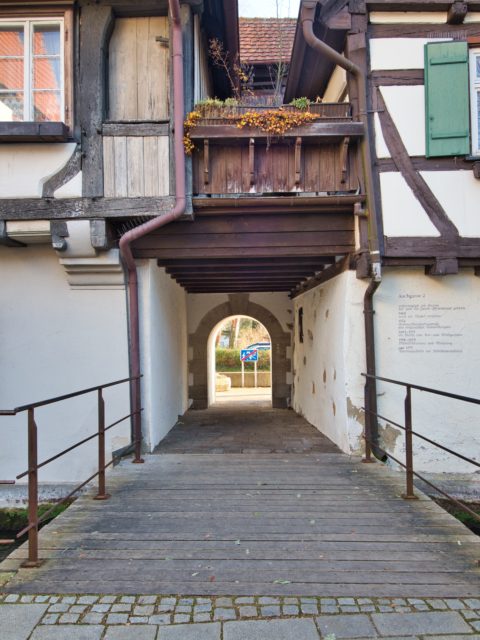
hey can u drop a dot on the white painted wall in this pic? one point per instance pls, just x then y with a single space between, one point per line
163 338
24 168
399 53
56 340
381 148
406 105
328 388
408 17
459 194
449 367
403 215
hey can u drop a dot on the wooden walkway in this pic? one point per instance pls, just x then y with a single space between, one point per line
312 523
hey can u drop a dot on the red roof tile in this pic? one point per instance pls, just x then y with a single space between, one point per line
266 40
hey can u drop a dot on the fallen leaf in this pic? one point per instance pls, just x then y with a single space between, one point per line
237 541
312 521
281 582
195 574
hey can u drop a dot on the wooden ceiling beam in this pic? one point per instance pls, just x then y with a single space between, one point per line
300 261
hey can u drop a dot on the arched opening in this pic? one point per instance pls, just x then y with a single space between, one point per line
239 363
238 304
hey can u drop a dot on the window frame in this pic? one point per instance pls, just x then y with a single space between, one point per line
48 14
474 89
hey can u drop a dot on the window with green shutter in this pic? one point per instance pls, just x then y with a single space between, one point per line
447 99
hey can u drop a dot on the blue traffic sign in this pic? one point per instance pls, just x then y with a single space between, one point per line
249 355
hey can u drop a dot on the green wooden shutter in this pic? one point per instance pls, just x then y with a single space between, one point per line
446 99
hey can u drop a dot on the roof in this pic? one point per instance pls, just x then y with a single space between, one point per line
310 71
266 40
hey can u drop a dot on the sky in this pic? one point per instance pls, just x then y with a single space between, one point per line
268 8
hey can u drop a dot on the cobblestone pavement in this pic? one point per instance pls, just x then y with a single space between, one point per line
104 617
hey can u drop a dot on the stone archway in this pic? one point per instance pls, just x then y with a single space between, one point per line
239 305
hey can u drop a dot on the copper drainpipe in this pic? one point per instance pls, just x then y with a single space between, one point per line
142 230
307 17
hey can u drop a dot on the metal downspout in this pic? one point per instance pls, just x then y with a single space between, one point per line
142 230
307 17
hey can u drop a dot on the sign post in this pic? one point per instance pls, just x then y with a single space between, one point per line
248 355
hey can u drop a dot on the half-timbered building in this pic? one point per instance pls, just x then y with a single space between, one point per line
354 238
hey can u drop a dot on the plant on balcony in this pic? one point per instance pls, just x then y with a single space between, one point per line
274 122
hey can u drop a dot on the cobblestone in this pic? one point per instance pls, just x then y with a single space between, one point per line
270 611
117 618
92 618
69 618
181 618
224 614
159 619
389 617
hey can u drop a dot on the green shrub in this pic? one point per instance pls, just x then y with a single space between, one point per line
13 520
229 360
300 103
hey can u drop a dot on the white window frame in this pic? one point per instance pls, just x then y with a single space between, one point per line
28 25
474 53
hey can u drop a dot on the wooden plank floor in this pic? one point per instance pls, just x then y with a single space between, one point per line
245 425
296 524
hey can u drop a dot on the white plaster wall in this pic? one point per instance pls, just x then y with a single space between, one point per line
451 368
328 388
24 168
403 215
399 53
406 105
163 320
381 148
459 194
56 340
408 17
71 189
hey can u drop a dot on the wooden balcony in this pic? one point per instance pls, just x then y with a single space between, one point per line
317 159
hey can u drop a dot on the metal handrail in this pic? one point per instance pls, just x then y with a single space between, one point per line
409 433
33 465
67 396
437 392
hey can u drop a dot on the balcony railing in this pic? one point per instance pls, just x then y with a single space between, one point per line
315 158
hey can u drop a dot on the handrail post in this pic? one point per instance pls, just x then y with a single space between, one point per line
33 560
409 495
368 430
101 495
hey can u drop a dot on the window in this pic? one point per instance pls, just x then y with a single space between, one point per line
35 69
475 99
452 99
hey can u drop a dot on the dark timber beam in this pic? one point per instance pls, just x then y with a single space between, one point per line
78 208
433 248
96 23
457 13
333 271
